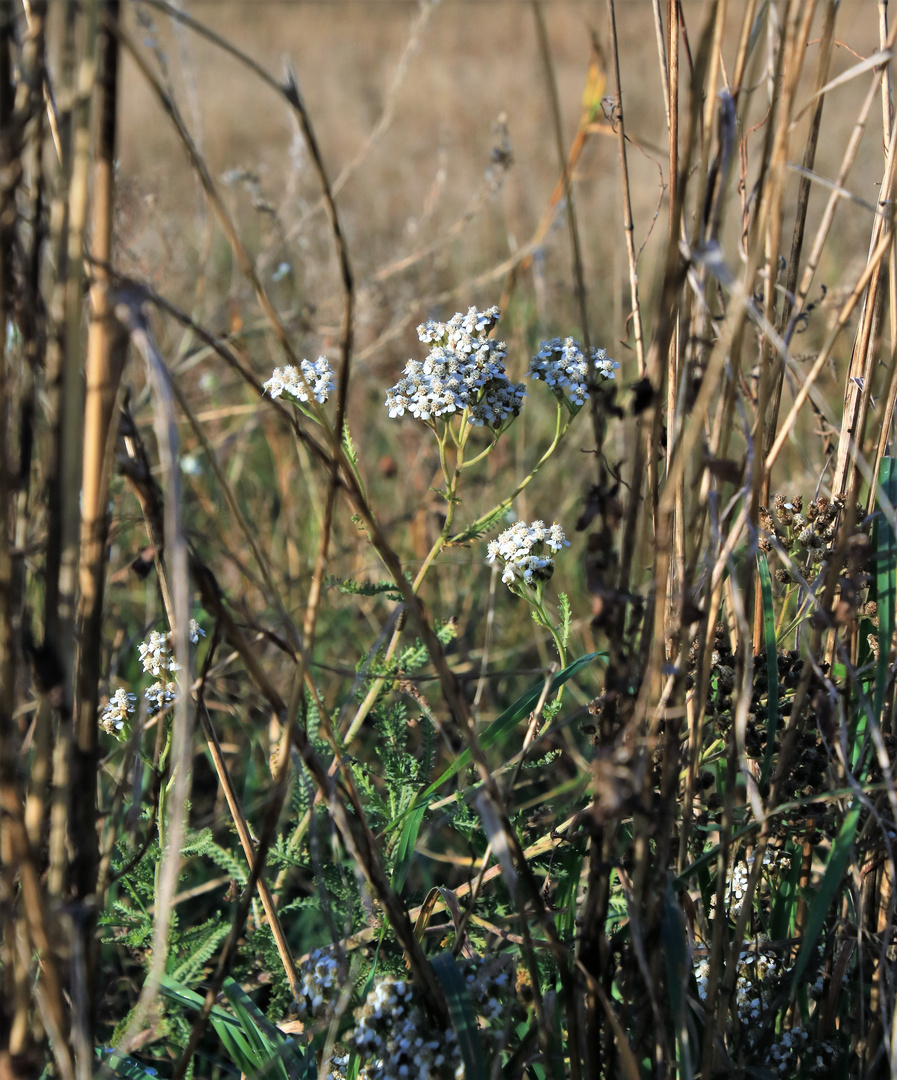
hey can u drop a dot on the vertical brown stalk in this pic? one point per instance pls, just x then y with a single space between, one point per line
64 392
103 372
23 932
11 1019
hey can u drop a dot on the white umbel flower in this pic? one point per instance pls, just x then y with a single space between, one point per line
563 366
116 713
320 983
397 1041
316 377
159 696
522 549
464 370
156 655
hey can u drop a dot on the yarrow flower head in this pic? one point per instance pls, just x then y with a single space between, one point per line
321 980
159 696
464 370
115 716
523 550
316 377
563 366
158 660
156 654
396 1040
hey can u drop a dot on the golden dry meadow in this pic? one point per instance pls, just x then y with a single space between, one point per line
448 550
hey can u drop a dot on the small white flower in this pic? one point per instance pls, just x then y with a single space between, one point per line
320 984
521 548
120 707
316 378
155 654
563 366
159 696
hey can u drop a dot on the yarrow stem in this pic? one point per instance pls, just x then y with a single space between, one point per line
561 428
451 497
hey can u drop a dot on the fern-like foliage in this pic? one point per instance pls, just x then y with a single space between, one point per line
231 864
415 656
351 587
195 949
405 758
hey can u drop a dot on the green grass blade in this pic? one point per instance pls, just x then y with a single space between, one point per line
461 1011
189 998
839 857
672 942
569 870
885 581
276 1056
122 1065
499 730
354 1066
260 1049
526 1038
675 955
784 903
250 1040
247 1009
406 845
772 666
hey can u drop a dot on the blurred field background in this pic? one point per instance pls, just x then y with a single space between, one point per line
440 140
471 64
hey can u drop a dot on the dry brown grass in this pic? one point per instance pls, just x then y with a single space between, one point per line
226 232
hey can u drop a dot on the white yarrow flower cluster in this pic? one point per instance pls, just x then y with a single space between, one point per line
758 984
158 660
397 1041
339 1065
464 370
490 986
563 366
156 655
738 874
797 1050
316 377
320 979
759 975
159 696
522 549
120 707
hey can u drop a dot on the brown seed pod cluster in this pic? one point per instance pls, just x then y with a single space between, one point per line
805 537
